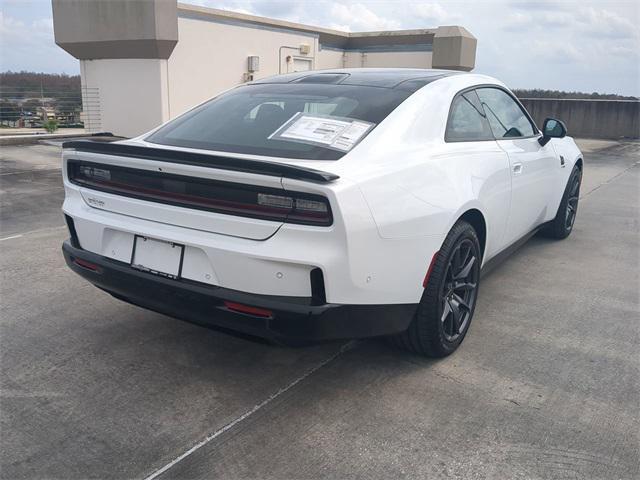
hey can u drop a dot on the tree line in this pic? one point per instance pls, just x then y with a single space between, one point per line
33 84
540 93
24 95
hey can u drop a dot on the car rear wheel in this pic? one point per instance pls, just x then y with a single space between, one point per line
562 225
446 308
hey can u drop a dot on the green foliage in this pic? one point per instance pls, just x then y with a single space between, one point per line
32 84
27 95
51 125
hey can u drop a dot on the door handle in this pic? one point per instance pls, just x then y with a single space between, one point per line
517 168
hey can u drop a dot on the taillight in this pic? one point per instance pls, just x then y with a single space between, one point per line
299 210
204 194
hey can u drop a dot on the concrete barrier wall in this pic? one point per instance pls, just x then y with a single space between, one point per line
589 118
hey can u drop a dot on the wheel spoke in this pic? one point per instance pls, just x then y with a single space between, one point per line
446 310
449 320
464 286
466 270
458 302
456 314
462 311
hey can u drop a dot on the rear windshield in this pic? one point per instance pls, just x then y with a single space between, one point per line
308 121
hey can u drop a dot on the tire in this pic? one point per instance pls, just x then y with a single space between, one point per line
441 322
562 225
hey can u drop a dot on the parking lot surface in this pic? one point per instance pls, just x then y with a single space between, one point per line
546 385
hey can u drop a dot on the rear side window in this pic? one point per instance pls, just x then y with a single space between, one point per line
467 121
506 117
245 120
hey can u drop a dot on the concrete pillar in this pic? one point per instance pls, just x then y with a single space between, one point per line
454 48
123 47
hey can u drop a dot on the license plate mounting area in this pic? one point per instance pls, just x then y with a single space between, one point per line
157 256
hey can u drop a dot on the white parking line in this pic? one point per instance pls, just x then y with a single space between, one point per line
30 232
39 168
9 238
217 433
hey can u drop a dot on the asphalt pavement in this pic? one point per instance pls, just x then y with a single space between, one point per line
546 384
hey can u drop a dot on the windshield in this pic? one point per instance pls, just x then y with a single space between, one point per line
308 121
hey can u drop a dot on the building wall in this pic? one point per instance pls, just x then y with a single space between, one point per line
330 59
352 59
212 56
127 107
397 59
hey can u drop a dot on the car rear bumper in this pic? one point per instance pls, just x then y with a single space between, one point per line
295 318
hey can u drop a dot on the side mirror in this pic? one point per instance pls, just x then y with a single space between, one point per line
552 128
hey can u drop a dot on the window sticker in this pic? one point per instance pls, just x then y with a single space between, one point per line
338 133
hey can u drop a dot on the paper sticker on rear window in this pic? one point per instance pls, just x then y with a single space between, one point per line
338 133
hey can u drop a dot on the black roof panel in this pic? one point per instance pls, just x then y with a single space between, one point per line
410 79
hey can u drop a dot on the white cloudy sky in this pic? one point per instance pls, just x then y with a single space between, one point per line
567 45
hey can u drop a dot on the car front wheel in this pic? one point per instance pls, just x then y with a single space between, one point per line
562 225
449 298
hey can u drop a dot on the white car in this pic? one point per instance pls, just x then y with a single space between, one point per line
322 205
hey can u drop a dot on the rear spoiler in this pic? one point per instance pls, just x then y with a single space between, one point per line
273 169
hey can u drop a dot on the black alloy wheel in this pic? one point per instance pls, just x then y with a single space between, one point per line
445 311
572 202
459 290
562 225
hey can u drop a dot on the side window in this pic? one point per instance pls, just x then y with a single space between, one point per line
467 121
505 116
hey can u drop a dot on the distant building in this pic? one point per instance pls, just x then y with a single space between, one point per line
151 60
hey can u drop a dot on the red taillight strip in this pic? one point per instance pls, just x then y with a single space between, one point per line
202 201
255 311
231 206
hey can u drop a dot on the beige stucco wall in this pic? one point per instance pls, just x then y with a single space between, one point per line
211 57
397 59
356 59
329 59
128 108
352 59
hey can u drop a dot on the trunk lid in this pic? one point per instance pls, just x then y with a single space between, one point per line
224 195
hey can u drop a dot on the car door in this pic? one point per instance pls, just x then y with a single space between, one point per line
479 159
532 165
